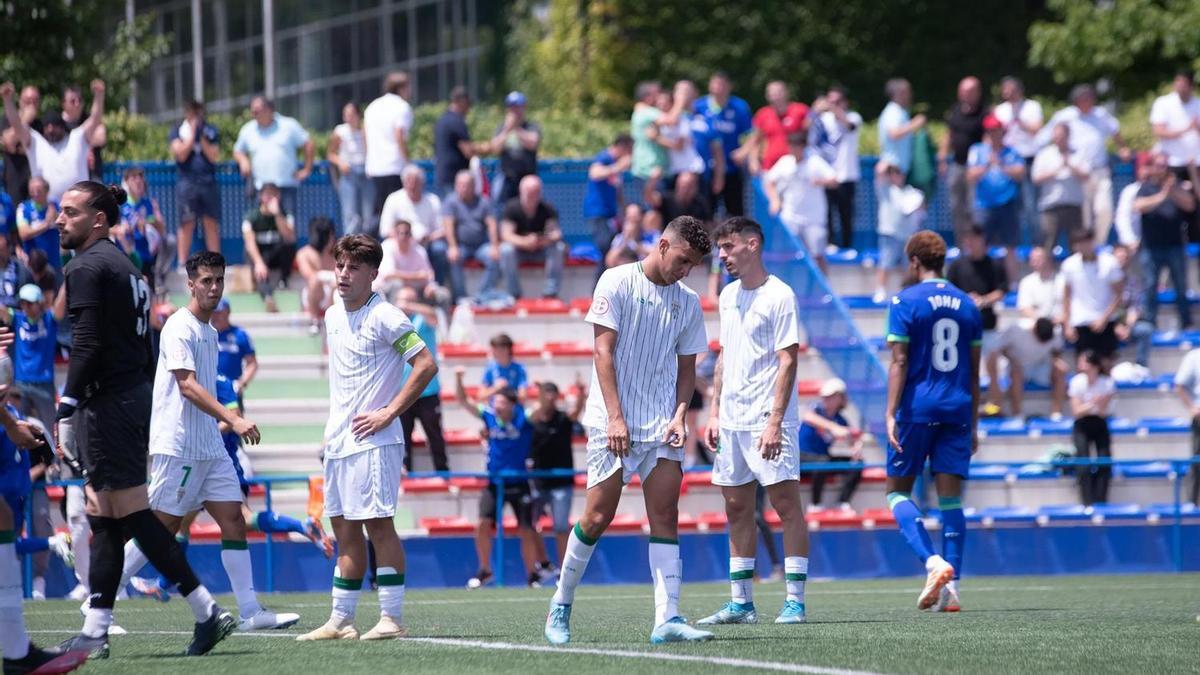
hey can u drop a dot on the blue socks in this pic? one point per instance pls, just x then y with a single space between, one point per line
908 518
954 531
269 521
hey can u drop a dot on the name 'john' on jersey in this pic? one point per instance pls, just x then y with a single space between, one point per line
941 324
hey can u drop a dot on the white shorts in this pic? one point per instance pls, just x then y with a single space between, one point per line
739 461
815 237
643 456
364 485
180 486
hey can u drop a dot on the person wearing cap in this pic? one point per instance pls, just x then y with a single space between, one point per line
516 141
57 154
236 359
964 128
387 122
995 172
822 426
33 352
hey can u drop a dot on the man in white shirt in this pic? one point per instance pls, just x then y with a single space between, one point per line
387 122
1091 128
839 126
796 191
754 422
1022 119
648 330
1175 119
1039 294
1033 354
1092 285
1187 386
370 341
54 154
423 211
1060 174
266 149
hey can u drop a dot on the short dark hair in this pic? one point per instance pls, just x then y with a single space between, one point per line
738 225
508 393
1082 234
501 340
210 259
269 186
320 232
623 139
459 93
72 89
692 231
37 259
977 230
928 248
721 74
359 248
106 199
838 89
1043 329
1096 359
1187 74
548 386
193 106
395 82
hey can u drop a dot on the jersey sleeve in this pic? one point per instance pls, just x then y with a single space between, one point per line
396 330
245 344
693 339
84 288
1077 386
522 378
606 302
242 144
489 375
899 321
787 329
176 347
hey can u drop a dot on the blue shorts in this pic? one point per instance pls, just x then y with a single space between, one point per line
16 503
947 447
231 446
891 253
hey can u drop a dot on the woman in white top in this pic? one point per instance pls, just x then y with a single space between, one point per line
1092 391
347 154
675 129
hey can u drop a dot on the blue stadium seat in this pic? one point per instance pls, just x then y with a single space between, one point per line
1166 510
1064 513
1120 511
1006 514
1144 470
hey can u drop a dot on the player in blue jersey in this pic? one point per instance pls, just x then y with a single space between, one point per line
142 228
935 333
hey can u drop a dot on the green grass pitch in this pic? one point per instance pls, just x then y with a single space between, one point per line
1086 624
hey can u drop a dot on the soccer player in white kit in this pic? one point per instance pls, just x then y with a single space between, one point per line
189 467
370 341
754 423
648 330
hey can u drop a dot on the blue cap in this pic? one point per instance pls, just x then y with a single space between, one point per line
223 305
514 98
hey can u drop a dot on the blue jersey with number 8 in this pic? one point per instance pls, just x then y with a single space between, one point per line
941 324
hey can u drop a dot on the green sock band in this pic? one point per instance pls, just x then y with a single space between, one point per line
8 537
664 540
390 579
894 498
347 584
795 576
590 541
234 545
949 503
181 538
741 575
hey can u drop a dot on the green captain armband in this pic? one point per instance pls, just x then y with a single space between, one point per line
407 342
892 337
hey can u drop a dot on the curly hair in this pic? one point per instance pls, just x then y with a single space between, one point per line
928 248
692 231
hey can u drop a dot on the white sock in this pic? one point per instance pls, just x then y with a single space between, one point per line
345 598
953 586
135 560
96 622
81 534
574 565
202 603
795 573
14 641
741 580
934 561
391 593
236 561
667 570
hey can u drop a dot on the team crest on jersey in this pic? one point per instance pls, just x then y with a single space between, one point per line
600 305
674 308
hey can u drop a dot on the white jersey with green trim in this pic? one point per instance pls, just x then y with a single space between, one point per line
756 324
177 427
367 352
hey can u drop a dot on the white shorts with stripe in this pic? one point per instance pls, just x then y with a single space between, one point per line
739 461
364 485
643 456
180 486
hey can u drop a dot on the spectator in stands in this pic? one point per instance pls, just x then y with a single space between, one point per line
16 160
423 211
36 218
1092 391
686 200
985 280
1034 354
1165 205
633 237
896 126
727 118
1091 128
529 232
269 234
501 370
43 276
551 450
347 152
315 263
1092 287
835 133
8 214
1175 118
795 189
266 149
901 212
59 154
387 122
1126 220
406 265
509 437
1059 174
1132 325
236 359
602 196
428 408
1022 119
36 329
142 230
471 234
1187 386
649 151
681 137
15 275
452 145
964 129
196 148
1039 294
823 425
994 174
516 140
772 124
72 110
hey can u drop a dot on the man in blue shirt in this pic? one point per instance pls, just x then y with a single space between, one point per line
266 151
8 214
728 118
36 218
33 365
195 146
602 199
996 171
935 332
501 371
428 408
236 359
822 426
13 275
509 440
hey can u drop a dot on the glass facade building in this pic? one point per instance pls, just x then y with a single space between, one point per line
310 56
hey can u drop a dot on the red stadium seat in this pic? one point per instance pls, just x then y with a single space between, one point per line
448 525
468 484
424 485
714 520
566 349
877 517
450 350
625 522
